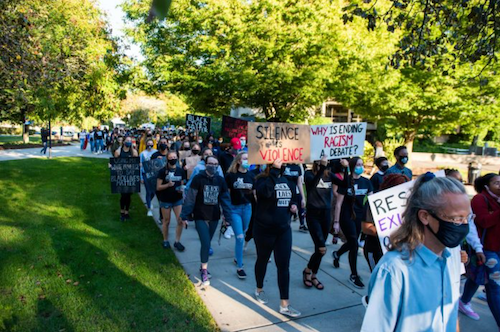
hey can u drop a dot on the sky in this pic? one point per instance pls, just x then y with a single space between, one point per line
115 17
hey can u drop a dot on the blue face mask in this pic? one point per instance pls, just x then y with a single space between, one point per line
403 160
263 168
128 144
244 164
359 170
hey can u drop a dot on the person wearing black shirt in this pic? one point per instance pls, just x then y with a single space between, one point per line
319 183
249 233
169 189
276 199
352 204
293 173
226 156
204 198
162 149
240 183
125 151
383 165
45 138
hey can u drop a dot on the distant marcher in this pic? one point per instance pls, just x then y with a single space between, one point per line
401 154
145 156
416 285
125 151
82 136
383 165
45 138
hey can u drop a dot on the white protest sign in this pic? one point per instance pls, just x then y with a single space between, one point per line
387 207
337 140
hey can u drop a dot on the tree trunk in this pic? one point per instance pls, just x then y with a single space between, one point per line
473 146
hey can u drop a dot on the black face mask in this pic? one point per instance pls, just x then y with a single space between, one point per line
186 149
195 152
449 234
163 146
384 168
172 162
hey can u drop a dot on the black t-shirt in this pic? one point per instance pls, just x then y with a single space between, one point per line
157 154
376 181
319 188
209 190
292 172
240 186
99 134
356 195
166 174
225 160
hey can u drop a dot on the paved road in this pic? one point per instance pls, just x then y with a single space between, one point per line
230 300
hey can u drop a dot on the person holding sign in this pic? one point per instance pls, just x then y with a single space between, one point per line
169 189
125 151
319 198
146 156
240 183
352 205
276 199
204 198
419 259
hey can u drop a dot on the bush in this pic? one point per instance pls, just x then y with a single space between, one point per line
390 145
368 154
11 131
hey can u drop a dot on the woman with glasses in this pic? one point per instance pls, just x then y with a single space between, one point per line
204 198
486 207
417 282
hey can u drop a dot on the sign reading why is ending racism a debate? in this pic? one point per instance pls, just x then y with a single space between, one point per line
196 123
268 141
233 127
337 140
387 207
125 175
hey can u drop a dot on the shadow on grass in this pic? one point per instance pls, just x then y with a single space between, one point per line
66 262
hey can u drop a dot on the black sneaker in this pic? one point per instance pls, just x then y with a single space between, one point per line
303 229
356 281
166 244
122 216
241 274
208 273
335 260
179 246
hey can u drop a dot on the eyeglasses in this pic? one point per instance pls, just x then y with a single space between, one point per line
457 220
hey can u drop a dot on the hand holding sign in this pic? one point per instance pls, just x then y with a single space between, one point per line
277 163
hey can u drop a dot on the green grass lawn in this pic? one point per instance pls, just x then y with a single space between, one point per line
67 263
4 139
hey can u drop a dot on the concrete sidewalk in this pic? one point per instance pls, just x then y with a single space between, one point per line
230 300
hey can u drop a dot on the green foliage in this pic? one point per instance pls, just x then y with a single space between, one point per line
68 263
389 145
319 120
368 154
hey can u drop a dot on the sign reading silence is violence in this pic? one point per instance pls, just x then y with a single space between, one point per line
296 144
125 175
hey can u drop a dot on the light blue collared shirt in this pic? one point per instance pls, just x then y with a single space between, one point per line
417 294
396 169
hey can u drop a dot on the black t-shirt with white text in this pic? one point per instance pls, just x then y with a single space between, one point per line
171 194
241 187
356 194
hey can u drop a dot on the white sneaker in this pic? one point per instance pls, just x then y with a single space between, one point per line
289 311
150 213
230 231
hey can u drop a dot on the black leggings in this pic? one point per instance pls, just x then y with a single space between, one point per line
281 244
372 251
318 221
125 200
249 233
351 229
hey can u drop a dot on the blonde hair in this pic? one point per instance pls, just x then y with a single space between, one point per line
427 195
236 162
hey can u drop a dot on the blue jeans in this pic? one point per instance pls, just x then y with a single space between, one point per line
492 287
206 231
44 149
92 145
241 215
98 145
82 143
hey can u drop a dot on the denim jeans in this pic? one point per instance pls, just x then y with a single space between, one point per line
98 145
44 149
492 287
82 143
241 215
92 146
206 230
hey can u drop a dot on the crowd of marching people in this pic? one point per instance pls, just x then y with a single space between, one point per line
206 180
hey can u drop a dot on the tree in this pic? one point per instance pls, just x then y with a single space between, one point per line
57 61
464 30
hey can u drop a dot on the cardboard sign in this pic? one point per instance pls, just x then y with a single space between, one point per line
268 141
151 169
125 175
191 163
387 207
337 140
196 123
233 127
184 154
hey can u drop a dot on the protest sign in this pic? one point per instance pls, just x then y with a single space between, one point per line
233 127
125 175
196 123
151 169
268 141
387 207
191 163
337 140
184 154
